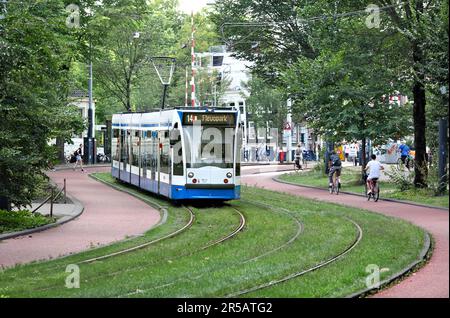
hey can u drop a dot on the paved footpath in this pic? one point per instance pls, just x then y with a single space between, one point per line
109 215
430 281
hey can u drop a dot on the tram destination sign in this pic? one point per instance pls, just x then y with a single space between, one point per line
219 119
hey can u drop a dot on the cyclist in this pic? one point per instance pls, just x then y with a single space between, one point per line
299 156
374 168
335 166
404 151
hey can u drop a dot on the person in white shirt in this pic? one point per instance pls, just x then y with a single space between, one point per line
374 168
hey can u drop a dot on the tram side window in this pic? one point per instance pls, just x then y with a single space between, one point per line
177 153
144 150
135 148
125 150
165 154
115 143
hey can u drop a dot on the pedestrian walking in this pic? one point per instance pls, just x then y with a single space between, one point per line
79 158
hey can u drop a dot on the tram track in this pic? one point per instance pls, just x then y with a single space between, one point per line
330 260
239 228
300 228
305 271
221 240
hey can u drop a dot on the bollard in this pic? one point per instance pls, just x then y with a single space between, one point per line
65 192
51 204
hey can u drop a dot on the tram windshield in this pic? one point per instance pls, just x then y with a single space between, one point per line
208 145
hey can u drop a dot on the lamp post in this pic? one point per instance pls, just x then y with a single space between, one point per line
91 142
443 142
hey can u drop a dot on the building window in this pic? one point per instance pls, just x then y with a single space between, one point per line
217 60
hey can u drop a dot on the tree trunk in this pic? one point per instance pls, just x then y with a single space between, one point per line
363 157
420 168
128 95
60 148
5 204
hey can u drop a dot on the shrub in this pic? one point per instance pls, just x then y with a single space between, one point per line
319 167
20 220
433 180
400 178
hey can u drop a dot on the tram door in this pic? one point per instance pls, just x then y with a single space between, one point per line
164 163
124 158
143 155
159 151
154 160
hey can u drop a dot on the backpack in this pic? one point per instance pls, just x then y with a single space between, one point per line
336 161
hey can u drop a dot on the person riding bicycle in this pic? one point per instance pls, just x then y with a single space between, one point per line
404 151
335 166
299 156
374 168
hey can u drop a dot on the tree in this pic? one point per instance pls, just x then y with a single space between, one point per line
420 21
35 53
268 33
276 35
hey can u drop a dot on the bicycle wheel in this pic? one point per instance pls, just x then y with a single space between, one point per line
376 192
365 189
336 186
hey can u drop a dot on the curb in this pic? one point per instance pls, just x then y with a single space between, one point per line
61 168
363 196
402 274
78 207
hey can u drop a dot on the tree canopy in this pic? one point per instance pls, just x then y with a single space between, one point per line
36 50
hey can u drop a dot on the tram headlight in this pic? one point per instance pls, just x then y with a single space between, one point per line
229 175
190 174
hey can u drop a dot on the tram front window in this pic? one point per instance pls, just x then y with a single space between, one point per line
209 146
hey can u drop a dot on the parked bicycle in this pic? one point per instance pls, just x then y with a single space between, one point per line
70 158
102 158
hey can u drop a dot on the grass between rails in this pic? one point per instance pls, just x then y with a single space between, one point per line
350 183
177 268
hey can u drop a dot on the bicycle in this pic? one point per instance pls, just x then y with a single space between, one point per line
297 165
409 163
335 184
69 159
102 158
375 191
305 163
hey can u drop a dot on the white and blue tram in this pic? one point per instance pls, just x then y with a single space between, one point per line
181 153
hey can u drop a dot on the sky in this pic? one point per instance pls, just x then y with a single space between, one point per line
188 5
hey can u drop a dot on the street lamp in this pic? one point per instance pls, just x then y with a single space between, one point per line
164 67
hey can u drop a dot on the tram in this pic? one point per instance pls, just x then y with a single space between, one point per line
180 153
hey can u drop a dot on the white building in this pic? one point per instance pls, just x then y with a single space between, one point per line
80 99
261 145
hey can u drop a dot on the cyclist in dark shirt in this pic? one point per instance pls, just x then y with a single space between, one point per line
335 165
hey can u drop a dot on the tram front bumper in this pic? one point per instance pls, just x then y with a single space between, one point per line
206 191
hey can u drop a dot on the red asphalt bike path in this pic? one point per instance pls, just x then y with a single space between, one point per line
432 280
109 215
